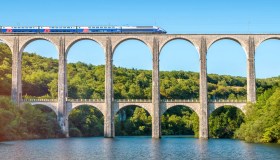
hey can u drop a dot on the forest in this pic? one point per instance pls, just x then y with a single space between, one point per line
86 81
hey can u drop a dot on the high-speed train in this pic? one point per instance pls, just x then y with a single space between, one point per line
88 29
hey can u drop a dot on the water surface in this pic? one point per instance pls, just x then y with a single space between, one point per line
136 148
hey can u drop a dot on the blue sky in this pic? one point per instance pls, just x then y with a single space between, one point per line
176 16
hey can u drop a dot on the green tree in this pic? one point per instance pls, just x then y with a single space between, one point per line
86 121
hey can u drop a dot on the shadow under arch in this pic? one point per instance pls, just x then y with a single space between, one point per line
224 120
84 39
180 120
6 69
228 38
85 121
133 120
179 38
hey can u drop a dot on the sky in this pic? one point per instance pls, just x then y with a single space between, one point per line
176 16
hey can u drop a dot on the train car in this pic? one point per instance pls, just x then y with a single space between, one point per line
142 29
85 29
19 29
72 29
99 29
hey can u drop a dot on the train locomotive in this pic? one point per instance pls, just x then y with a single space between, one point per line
88 29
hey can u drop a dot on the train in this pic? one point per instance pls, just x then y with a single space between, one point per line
87 29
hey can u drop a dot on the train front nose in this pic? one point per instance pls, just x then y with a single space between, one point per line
162 30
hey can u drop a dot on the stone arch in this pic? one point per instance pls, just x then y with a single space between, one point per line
166 41
146 106
232 38
76 40
32 39
8 43
263 39
176 55
29 40
215 106
195 107
131 38
49 105
6 83
99 107
170 128
71 122
262 58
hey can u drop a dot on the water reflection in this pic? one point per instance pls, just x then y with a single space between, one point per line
202 148
156 149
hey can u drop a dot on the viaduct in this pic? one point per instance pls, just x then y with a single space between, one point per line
155 42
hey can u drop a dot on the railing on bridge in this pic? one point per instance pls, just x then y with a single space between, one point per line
86 100
227 101
134 100
179 100
39 100
139 100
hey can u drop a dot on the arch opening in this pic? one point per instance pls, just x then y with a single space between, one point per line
86 121
224 121
180 120
226 65
132 75
127 40
86 70
5 69
179 70
39 70
42 121
267 58
133 121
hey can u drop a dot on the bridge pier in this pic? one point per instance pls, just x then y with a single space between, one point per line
16 73
156 121
62 88
251 74
109 128
203 117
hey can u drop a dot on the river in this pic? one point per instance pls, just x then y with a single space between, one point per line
133 148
